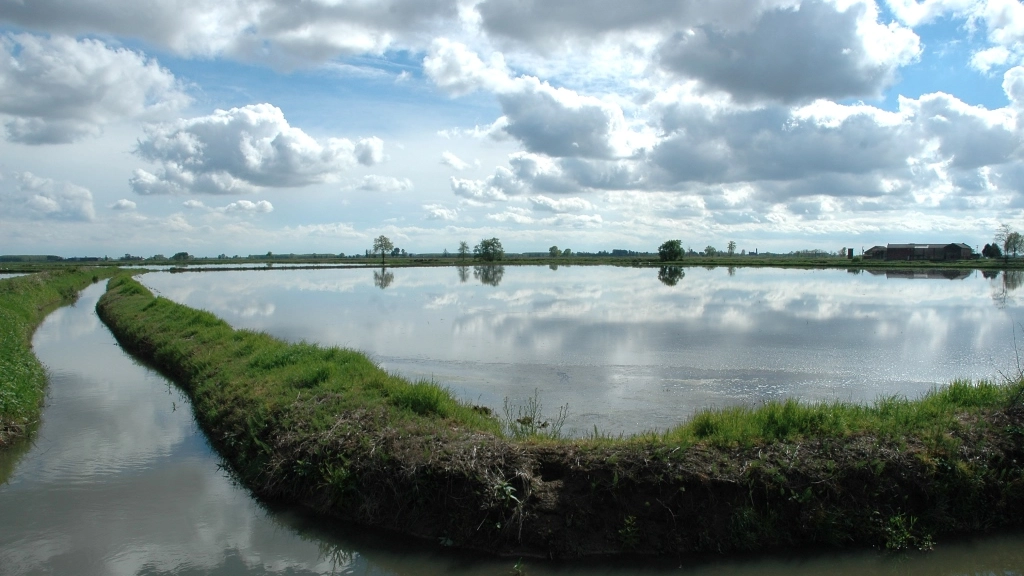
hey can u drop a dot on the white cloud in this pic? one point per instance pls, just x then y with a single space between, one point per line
560 205
1013 87
561 122
493 131
453 161
26 195
370 151
439 212
476 190
513 214
531 173
829 52
376 183
279 32
548 26
238 207
1003 21
58 89
240 150
123 205
247 207
458 70
917 12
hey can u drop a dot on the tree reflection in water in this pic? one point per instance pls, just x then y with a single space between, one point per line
463 273
670 275
489 275
383 278
1011 280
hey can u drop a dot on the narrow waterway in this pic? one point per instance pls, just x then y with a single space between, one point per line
119 480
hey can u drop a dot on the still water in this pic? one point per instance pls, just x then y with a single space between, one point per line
118 480
632 349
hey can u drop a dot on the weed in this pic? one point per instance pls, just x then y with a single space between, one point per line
900 534
629 533
506 493
527 420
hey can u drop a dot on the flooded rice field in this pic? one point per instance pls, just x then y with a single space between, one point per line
632 349
118 479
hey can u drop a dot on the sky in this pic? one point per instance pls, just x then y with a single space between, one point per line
247 126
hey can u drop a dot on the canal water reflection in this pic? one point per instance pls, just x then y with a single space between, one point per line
634 349
119 480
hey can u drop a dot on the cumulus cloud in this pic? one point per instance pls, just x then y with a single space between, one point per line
247 207
1013 86
439 212
561 122
458 70
819 158
546 25
1003 21
816 50
477 191
123 205
523 216
453 161
240 150
774 143
528 173
544 203
376 183
238 207
58 90
279 32
29 196
370 151
545 119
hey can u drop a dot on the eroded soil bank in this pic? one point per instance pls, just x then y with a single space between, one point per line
325 429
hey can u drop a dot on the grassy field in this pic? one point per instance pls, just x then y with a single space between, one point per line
24 302
326 429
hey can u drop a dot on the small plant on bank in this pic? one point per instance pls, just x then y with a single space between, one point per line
900 534
527 420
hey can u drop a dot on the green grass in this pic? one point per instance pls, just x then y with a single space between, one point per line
232 368
24 302
939 411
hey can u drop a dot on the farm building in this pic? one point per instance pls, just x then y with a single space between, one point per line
876 253
904 252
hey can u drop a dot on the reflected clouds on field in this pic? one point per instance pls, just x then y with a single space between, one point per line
624 348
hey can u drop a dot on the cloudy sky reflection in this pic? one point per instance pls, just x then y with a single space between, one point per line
625 350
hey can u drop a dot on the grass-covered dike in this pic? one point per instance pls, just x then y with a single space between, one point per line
326 429
24 303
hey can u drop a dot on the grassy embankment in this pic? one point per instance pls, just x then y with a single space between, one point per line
326 429
24 302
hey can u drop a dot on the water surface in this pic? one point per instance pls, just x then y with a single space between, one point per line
632 349
119 481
